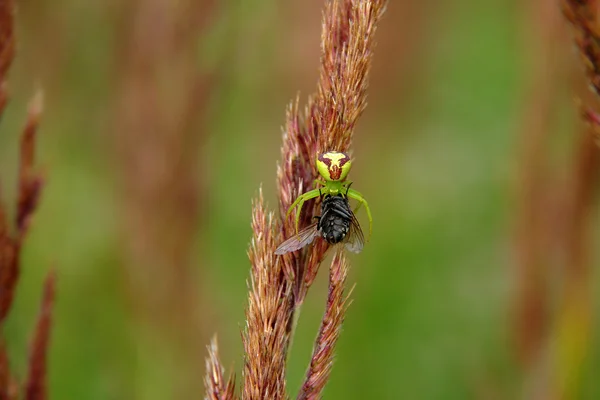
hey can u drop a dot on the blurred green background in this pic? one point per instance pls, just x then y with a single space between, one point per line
436 155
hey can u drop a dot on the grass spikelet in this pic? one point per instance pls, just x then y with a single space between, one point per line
270 306
554 336
216 386
583 16
29 187
347 47
331 328
30 182
36 385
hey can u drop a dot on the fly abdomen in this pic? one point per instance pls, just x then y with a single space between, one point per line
336 218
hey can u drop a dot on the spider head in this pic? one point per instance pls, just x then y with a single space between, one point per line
333 165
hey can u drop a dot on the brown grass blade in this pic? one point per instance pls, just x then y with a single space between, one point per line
574 321
9 273
9 390
161 102
329 333
3 97
30 183
36 385
216 386
7 37
534 239
29 186
4 372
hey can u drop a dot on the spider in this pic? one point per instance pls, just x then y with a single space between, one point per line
337 221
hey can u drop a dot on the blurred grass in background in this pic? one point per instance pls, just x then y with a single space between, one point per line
435 154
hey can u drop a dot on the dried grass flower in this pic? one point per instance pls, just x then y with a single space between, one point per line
279 284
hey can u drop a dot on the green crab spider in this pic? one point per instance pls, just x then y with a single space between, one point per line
333 167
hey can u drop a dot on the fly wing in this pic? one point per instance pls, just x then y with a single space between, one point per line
298 241
355 239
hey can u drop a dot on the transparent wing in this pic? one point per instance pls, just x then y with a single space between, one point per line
296 242
355 239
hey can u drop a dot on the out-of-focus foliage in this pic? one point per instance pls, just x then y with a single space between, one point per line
435 154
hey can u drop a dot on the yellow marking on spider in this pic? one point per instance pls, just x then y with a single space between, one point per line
335 157
333 166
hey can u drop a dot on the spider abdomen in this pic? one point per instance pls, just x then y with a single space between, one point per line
335 220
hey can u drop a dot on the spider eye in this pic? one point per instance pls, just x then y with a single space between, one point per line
333 165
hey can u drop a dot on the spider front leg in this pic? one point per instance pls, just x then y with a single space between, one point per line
319 182
353 194
300 202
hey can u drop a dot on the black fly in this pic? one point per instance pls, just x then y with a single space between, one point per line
337 223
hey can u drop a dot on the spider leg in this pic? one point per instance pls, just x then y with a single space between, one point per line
353 194
320 182
299 202
347 185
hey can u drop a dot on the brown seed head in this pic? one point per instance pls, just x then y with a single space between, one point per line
36 385
270 306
